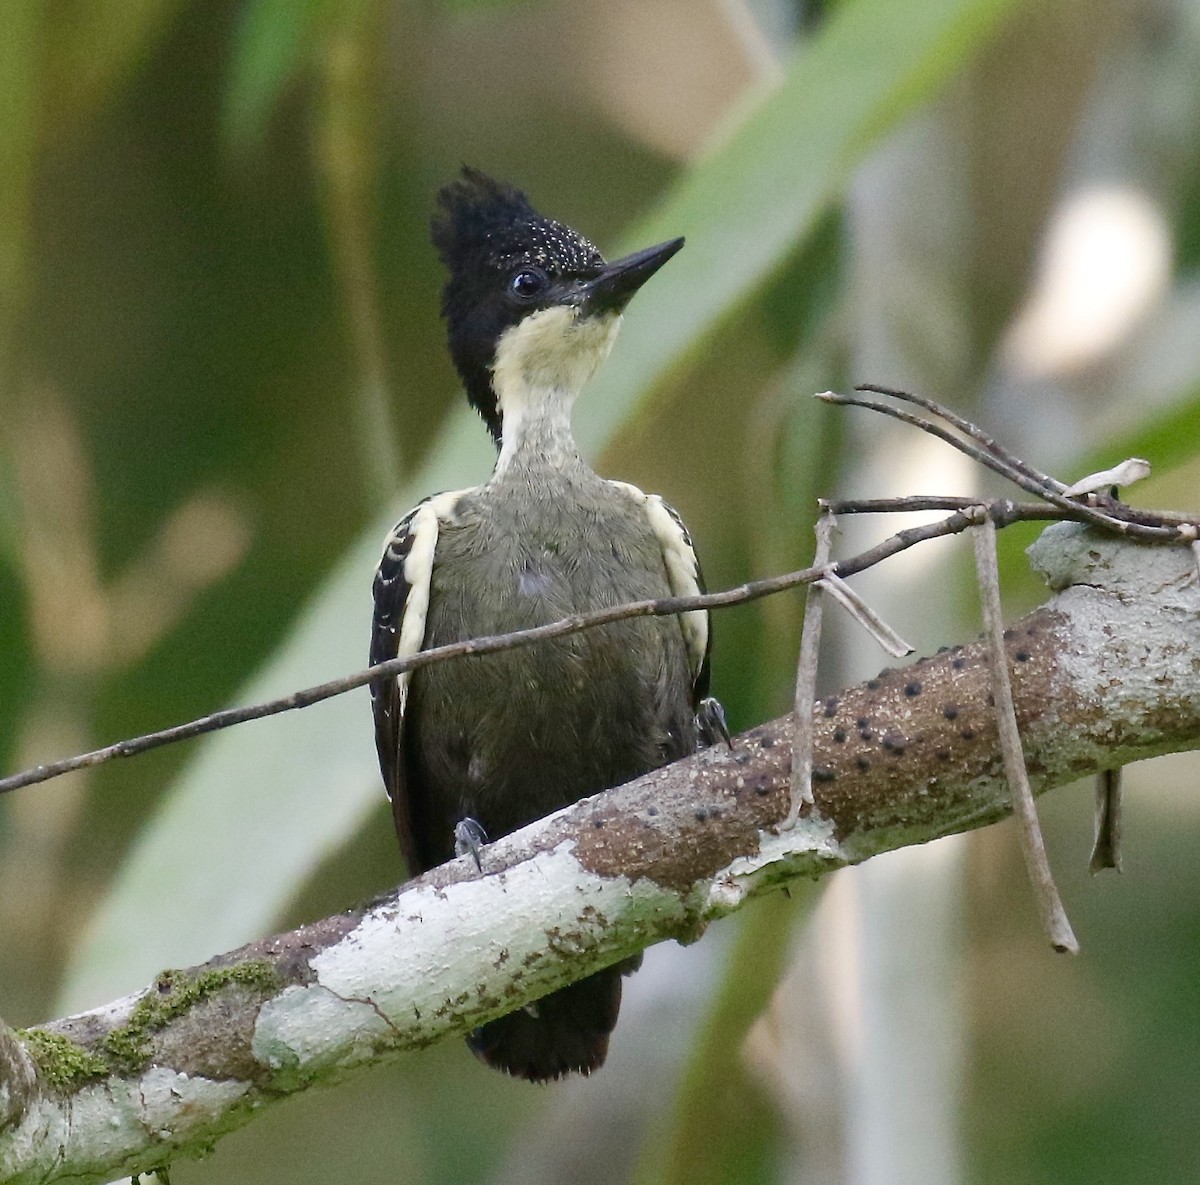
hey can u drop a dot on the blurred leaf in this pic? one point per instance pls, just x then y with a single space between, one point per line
10 551
348 126
97 46
748 204
18 672
274 40
473 5
20 56
270 800
1165 438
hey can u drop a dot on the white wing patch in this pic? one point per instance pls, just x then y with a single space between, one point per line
679 558
418 574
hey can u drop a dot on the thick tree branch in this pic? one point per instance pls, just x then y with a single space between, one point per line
1103 674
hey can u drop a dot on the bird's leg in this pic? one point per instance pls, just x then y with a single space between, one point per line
710 720
469 838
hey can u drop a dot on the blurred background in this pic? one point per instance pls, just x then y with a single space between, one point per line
223 376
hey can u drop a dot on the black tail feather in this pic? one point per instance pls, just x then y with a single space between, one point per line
564 1033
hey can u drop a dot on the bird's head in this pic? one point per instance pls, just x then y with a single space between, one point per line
531 306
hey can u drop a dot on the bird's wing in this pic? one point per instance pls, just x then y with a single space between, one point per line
401 592
684 578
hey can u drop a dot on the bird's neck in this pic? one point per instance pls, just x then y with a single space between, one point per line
536 435
541 364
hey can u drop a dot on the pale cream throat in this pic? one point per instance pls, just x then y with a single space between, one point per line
542 363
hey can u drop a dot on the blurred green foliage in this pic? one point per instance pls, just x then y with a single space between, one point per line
223 373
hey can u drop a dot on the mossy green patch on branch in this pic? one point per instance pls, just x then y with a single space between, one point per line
66 1066
61 1063
128 1048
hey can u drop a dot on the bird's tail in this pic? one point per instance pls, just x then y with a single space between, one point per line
563 1033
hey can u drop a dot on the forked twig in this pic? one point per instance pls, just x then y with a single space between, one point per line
970 447
1047 489
889 641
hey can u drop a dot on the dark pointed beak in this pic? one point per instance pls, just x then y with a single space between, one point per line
614 287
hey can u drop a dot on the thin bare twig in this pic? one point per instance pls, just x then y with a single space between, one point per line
966 427
1003 511
806 677
1106 848
917 503
889 640
1033 844
952 524
969 447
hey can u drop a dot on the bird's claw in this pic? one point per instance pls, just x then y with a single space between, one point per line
469 838
711 722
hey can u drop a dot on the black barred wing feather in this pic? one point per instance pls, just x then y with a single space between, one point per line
402 589
392 590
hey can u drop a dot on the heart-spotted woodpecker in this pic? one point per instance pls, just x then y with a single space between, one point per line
473 749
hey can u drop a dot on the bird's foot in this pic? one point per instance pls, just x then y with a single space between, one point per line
469 838
710 720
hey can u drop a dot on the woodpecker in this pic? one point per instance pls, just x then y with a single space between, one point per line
475 748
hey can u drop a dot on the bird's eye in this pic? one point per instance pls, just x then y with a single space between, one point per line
527 283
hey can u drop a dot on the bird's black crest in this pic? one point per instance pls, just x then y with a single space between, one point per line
484 223
485 230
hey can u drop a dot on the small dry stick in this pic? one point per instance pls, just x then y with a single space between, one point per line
806 677
1004 511
1033 844
1106 848
967 428
1001 510
890 641
970 447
